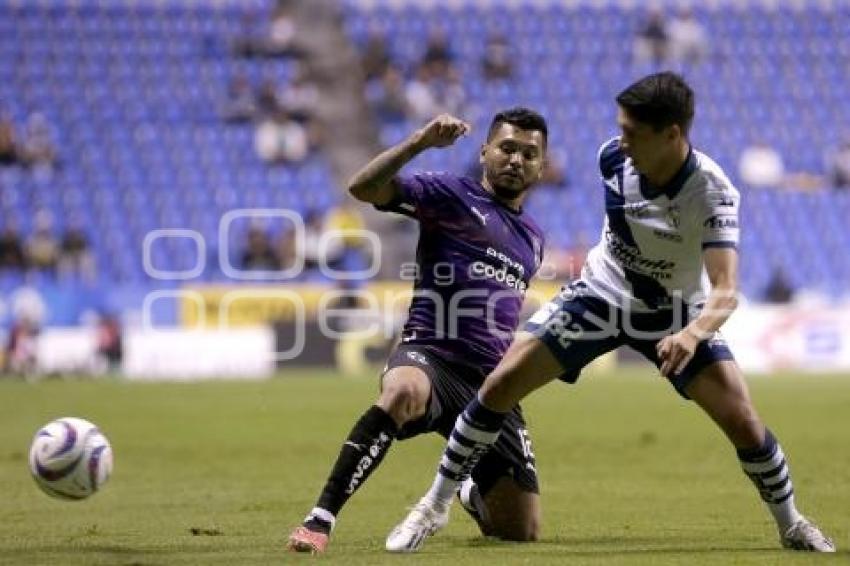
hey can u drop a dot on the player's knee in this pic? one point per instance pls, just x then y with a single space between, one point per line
526 531
403 400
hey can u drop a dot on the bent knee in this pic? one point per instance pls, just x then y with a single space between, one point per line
526 532
404 400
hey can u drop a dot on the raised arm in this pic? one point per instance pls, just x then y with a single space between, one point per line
375 183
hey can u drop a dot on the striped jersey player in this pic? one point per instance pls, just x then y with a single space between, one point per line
662 280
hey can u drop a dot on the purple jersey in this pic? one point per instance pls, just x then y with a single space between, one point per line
475 259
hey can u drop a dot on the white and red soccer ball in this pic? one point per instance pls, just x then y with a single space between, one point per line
70 458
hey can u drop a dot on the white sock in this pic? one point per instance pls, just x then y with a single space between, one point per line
767 469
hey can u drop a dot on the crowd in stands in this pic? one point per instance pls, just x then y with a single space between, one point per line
44 252
284 113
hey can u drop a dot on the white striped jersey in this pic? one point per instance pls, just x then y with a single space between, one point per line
653 239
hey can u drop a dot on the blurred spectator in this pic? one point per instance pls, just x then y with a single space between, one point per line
281 30
387 97
39 149
778 289
11 249
496 63
300 97
375 59
274 40
438 57
75 256
651 43
281 140
287 249
268 104
314 250
258 254
554 170
241 104
28 312
688 40
429 94
347 220
761 166
110 344
43 247
9 152
20 357
839 167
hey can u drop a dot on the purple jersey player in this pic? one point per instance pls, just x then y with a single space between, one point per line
477 252
475 257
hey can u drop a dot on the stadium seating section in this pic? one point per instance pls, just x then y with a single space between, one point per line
133 92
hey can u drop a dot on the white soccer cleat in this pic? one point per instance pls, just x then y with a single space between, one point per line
425 519
804 535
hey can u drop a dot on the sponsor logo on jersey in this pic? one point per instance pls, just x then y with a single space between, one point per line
504 258
671 236
482 218
629 256
673 216
484 270
510 273
722 222
638 209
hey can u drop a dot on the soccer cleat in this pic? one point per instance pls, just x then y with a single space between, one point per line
804 535
472 502
424 520
303 539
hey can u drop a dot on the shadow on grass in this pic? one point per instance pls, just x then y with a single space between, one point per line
609 546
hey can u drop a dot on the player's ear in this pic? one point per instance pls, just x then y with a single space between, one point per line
543 163
482 153
674 132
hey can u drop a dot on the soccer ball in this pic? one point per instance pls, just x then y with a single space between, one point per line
70 458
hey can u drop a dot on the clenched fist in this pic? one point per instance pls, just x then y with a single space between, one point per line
442 131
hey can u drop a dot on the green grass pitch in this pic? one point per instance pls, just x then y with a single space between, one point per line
630 474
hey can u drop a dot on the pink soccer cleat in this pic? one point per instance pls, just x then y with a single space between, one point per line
303 539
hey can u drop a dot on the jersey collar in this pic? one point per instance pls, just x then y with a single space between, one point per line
676 183
495 200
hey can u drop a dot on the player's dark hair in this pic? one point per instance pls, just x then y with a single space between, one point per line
660 100
521 117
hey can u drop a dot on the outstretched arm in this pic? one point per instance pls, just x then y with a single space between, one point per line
375 183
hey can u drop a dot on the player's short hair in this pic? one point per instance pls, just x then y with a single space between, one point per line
521 117
660 100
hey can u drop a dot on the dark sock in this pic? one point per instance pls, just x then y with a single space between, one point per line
318 525
362 452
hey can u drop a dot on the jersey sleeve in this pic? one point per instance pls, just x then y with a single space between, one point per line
420 195
719 215
610 157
